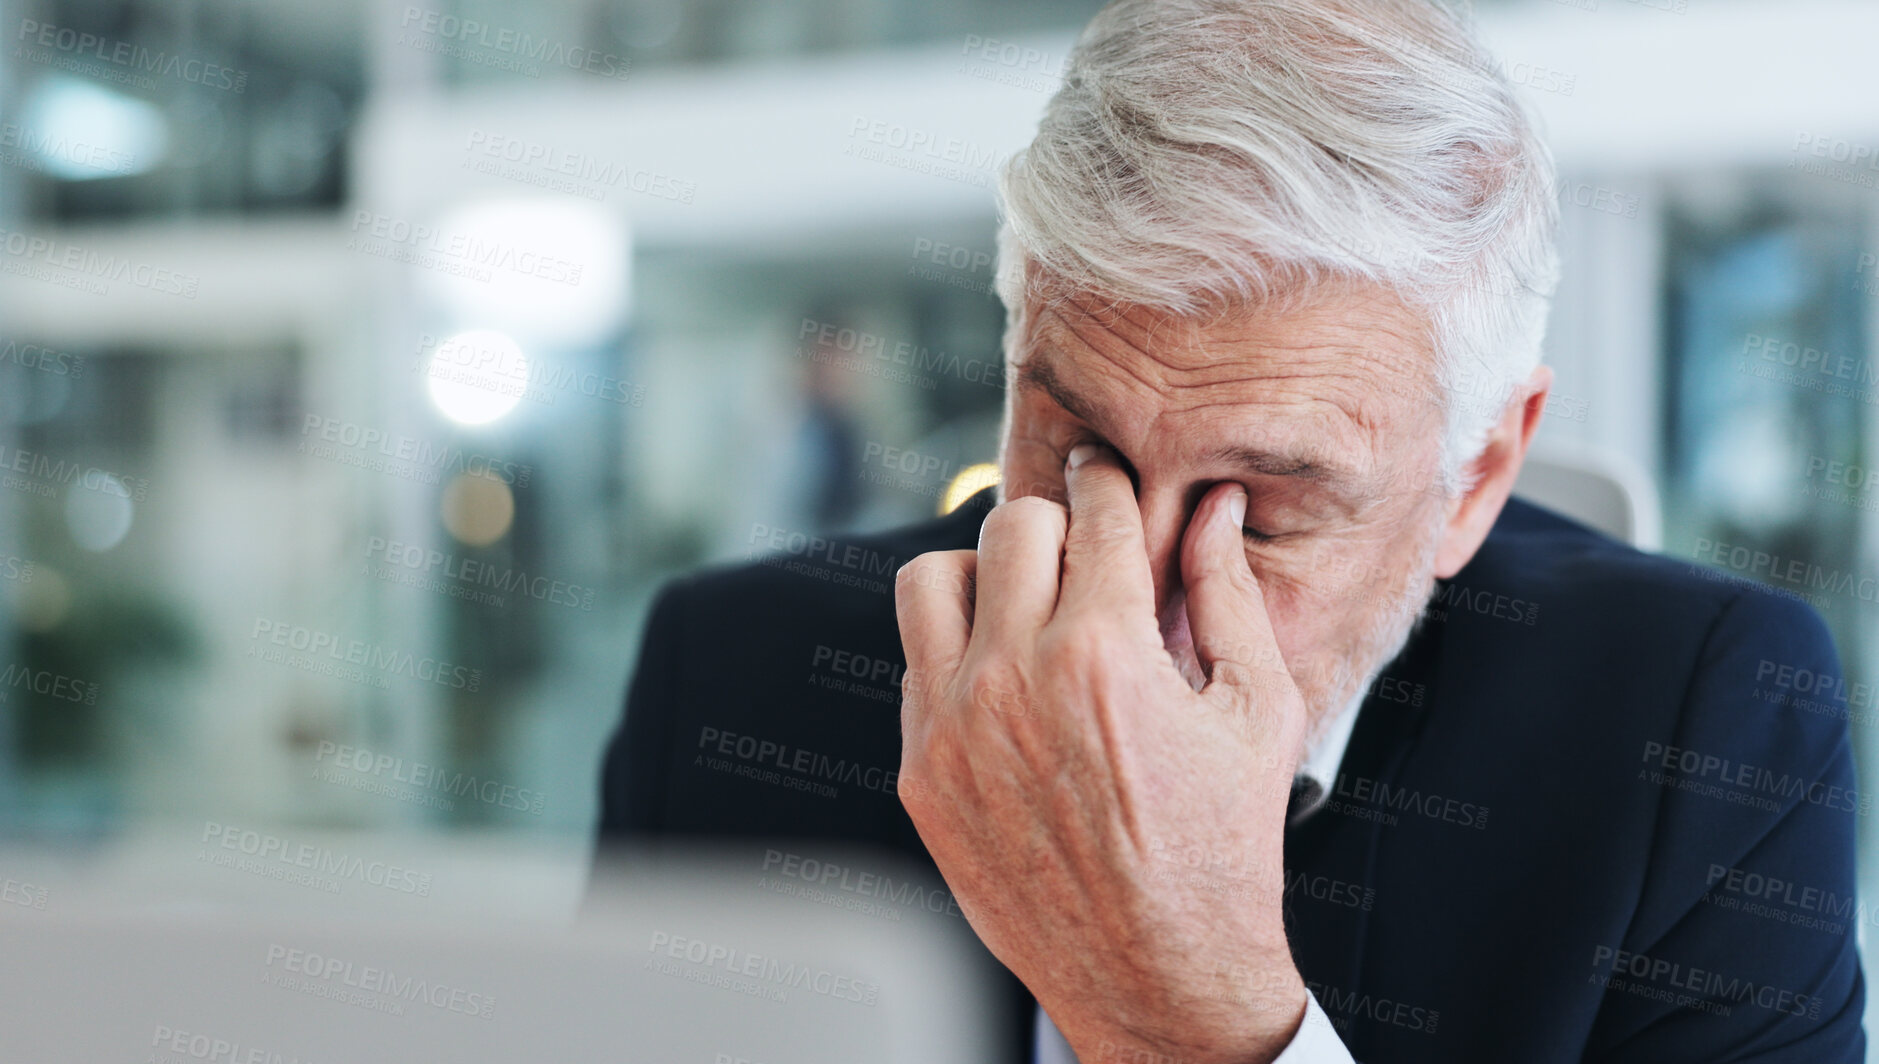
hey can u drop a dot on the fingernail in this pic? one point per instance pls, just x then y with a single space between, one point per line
1236 507
1080 454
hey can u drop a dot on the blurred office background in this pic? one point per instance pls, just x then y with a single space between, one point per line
365 364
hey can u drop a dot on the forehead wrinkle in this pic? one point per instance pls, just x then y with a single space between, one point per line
1123 365
1133 324
1345 395
1323 460
1388 341
1041 369
1341 362
1323 356
1360 383
1040 372
1377 341
1345 440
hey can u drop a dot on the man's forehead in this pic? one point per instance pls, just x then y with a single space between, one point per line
1360 329
1364 363
1303 433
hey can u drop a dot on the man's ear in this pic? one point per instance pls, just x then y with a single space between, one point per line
1491 475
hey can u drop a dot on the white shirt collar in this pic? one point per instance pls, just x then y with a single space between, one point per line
1322 759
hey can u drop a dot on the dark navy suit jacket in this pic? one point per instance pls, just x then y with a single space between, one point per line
1601 808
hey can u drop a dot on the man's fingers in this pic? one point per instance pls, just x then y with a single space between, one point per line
1226 610
1105 561
1019 560
933 602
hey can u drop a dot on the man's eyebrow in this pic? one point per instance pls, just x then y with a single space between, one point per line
1037 372
1278 464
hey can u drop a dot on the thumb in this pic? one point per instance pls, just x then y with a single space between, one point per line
1226 609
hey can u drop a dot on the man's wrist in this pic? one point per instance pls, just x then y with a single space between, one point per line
1243 1026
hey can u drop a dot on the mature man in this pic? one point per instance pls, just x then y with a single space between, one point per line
1276 274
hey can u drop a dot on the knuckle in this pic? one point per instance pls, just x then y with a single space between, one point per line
1102 469
908 575
1114 661
1102 529
935 570
1038 507
1252 660
1016 516
1269 681
1094 652
1052 491
1104 640
987 686
1004 697
1061 649
1000 517
916 786
1234 673
1220 649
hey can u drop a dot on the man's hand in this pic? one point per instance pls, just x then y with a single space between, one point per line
1114 836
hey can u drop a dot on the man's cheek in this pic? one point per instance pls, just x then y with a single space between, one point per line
1342 581
1309 629
1286 588
1318 563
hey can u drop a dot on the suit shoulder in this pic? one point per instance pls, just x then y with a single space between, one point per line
1568 568
1632 640
1713 660
789 574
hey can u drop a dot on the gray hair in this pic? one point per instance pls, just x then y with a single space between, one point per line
1203 154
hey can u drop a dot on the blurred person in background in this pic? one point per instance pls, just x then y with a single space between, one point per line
1256 721
799 477
828 437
